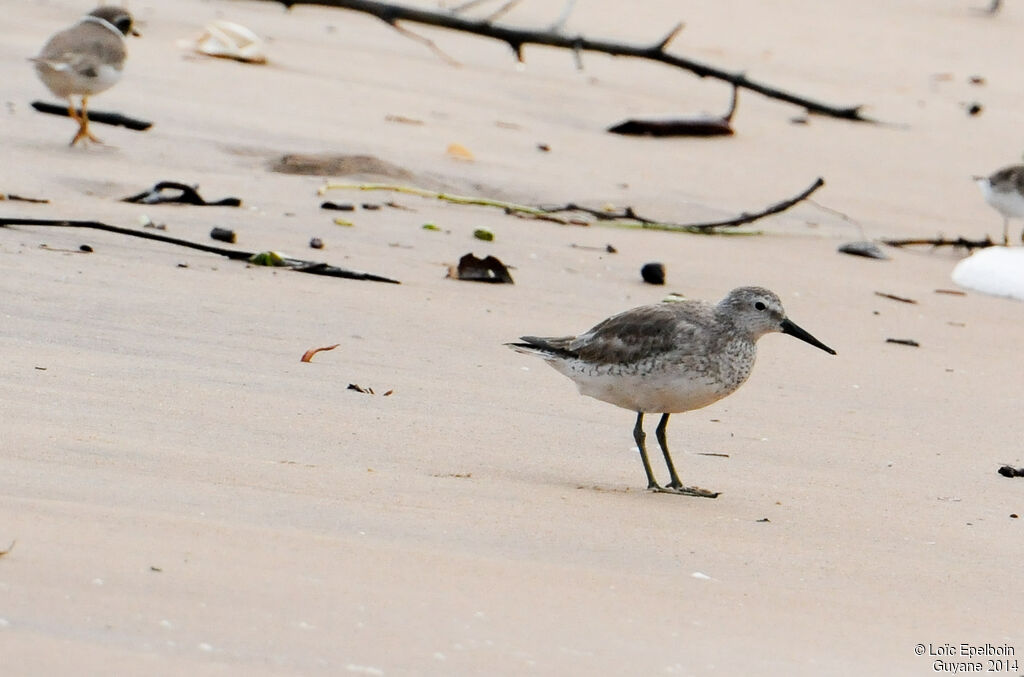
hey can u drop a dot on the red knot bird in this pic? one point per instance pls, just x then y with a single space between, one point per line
85 59
669 358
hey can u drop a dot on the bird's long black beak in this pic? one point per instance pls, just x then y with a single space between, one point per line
791 328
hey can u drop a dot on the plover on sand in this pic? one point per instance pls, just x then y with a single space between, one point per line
85 59
669 358
1004 191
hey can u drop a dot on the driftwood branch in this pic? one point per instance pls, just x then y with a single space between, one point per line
746 217
517 38
942 242
299 265
627 218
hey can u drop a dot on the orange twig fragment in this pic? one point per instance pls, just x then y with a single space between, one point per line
308 355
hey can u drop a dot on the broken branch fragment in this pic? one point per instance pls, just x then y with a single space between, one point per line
308 355
517 38
367 391
186 194
943 242
901 299
680 125
223 235
102 117
627 218
302 266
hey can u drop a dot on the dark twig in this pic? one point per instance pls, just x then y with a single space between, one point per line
943 242
629 214
517 38
680 125
301 266
901 299
186 194
116 119
18 198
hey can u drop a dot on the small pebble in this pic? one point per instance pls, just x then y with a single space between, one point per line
653 273
224 235
868 250
316 243
483 234
341 207
85 248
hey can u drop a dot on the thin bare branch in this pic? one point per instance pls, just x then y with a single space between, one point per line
628 214
426 41
560 22
516 38
942 242
627 218
503 10
670 37
299 265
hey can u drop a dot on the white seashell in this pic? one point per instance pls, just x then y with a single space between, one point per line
230 41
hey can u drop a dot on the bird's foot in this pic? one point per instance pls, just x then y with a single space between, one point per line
680 490
84 133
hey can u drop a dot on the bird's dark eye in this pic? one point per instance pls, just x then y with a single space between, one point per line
123 24
760 306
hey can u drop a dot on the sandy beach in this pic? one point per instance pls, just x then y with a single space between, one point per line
185 497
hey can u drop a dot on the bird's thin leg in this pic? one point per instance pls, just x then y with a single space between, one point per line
1006 231
675 486
674 482
639 436
83 125
72 111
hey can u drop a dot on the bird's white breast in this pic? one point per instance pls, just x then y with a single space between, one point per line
1009 203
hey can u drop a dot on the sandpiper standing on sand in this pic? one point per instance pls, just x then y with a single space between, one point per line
85 59
669 358
1004 191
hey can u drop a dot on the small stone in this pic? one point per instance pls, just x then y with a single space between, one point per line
653 273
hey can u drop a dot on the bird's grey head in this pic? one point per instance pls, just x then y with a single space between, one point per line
118 17
758 311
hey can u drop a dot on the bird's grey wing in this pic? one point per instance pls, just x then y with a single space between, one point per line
550 345
83 52
637 334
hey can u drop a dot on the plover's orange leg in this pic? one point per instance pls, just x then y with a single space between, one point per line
83 125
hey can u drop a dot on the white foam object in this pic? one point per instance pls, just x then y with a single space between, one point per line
998 271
